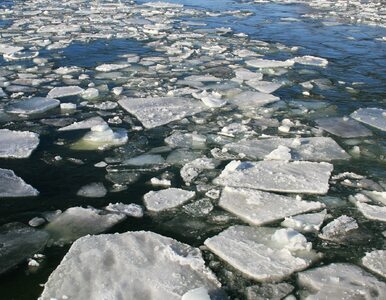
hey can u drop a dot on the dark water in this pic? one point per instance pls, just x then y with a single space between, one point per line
354 55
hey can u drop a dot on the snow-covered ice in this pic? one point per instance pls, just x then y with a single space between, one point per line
65 91
266 63
261 253
258 208
130 210
306 222
249 99
85 124
14 186
277 176
141 265
311 149
17 144
372 212
156 201
154 112
341 281
34 105
375 261
192 169
339 229
92 190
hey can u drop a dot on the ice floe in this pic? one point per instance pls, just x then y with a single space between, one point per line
65 91
341 281
13 186
141 265
311 149
343 127
263 254
18 243
34 105
375 261
85 124
375 117
156 201
130 210
92 190
17 144
372 212
306 222
258 208
340 229
249 99
192 169
154 112
277 176
266 63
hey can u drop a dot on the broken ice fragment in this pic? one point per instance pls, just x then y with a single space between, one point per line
258 208
92 190
130 210
339 229
261 254
375 261
18 243
154 112
263 86
13 186
311 60
375 117
341 281
265 63
343 127
85 124
372 212
17 144
34 105
166 199
65 91
76 222
192 169
141 265
277 176
312 149
250 100
305 222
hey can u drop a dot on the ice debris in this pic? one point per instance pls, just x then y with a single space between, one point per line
92 190
375 117
339 230
375 261
34 105
13 186
17 144
306 222
156 201
343 127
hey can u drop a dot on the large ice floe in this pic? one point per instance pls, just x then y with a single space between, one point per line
341 281
375 117
258 208
17 144
34 105
14 186
156 201
76 222
310 149
261 253
343 127
132 265
277 176
154 112
18 243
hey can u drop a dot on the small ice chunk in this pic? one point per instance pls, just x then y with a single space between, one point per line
166 199
9 49
17 144
343 127
67 106
306 222
379 197
375 117
90 94
280 153
111 67
93 190
145 159
259 208
375 261
65 91
136 265
160 182
85 124
34 105
372 212
245 74
213 102
338 229
269 291
186 140
260 253
131 210
263 86
13 186
311 61
18 243
200 293
36 222
265 63
341 281
192 169
199 208
154 112
76 222
277 176
311 149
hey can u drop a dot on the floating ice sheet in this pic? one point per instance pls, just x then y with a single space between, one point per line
339 229
65 91
343 127
375 261
17 144
306 222
13 186
375 117
154 112
312 149
372 212
249 99
258 208
266 63
34 105
277 176
18 243
166 199
85 124
341 281
261 253
141 265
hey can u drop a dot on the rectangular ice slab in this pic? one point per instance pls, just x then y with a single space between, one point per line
312 148
17 144
258 208
375 117
344 127
154 112
277 176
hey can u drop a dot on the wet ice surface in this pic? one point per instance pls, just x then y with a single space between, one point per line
185 119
